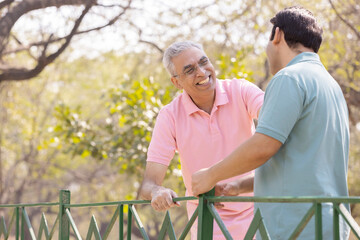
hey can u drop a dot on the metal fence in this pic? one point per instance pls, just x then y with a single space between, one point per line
205 212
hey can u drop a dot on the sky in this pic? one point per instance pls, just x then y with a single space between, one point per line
122 37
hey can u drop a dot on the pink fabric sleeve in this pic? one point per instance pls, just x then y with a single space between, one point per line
163 144
253 97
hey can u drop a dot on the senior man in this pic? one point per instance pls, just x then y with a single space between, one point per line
205 123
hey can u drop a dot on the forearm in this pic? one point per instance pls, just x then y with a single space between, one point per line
248 156
147 188
246 184
153 178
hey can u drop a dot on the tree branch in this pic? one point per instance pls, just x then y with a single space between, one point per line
145 41
10 18
5 3
53 40
344 20
43 61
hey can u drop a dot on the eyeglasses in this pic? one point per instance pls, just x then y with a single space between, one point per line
191 70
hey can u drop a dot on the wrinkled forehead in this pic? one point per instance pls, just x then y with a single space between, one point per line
187 57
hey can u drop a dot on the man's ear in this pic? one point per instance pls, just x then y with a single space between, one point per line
277 36
175 81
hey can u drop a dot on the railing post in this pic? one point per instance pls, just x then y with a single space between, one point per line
22 230
17 227
129 222
318 221
336 226
205 219
121 222
64 223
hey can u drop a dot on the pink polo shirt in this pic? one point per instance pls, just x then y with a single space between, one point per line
203 140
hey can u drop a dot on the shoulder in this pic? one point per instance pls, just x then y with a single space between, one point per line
235 84
286 75
173 108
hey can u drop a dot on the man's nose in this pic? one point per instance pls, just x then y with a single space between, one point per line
200 70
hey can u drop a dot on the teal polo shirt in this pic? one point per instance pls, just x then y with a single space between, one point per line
304 108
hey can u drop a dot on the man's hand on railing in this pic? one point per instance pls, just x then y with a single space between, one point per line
242 185
162 199
227 189
202 182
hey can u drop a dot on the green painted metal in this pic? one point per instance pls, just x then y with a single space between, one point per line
336 226
102 204
29 205
129 223
13 217
43 228
111 224
28 224
167 227
64 224
180 199
138 222
164 226
318 221
53 228
121 222
93 230
189 224
17 230
307 199
22 230
3 230
304 221
257 224
349 219
206 213
72 224
218 220
205 219
263 231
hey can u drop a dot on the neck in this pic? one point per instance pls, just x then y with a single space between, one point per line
290 53
205 103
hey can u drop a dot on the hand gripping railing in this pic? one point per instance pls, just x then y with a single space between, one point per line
205 212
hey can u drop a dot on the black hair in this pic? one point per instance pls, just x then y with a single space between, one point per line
299 26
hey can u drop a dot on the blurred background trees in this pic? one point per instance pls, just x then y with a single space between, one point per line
81 83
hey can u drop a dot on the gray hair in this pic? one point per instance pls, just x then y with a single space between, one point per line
174 50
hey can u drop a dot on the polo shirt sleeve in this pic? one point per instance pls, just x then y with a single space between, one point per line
162 145
253 97
283 105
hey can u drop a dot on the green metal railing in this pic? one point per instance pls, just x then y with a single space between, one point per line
205 212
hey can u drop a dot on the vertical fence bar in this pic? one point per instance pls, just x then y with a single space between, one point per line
336 224
121 222
129 222
64 223
205 219
318 222
17 224
22 230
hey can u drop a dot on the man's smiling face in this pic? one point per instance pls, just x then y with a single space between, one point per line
194 73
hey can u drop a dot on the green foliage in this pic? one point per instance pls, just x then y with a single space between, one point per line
234 66
123 135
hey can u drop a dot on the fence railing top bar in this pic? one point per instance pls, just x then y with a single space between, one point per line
100 204
289 199
180 199
307 199
28 205
134 202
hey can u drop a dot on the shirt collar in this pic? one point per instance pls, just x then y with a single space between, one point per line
304 57
220 99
